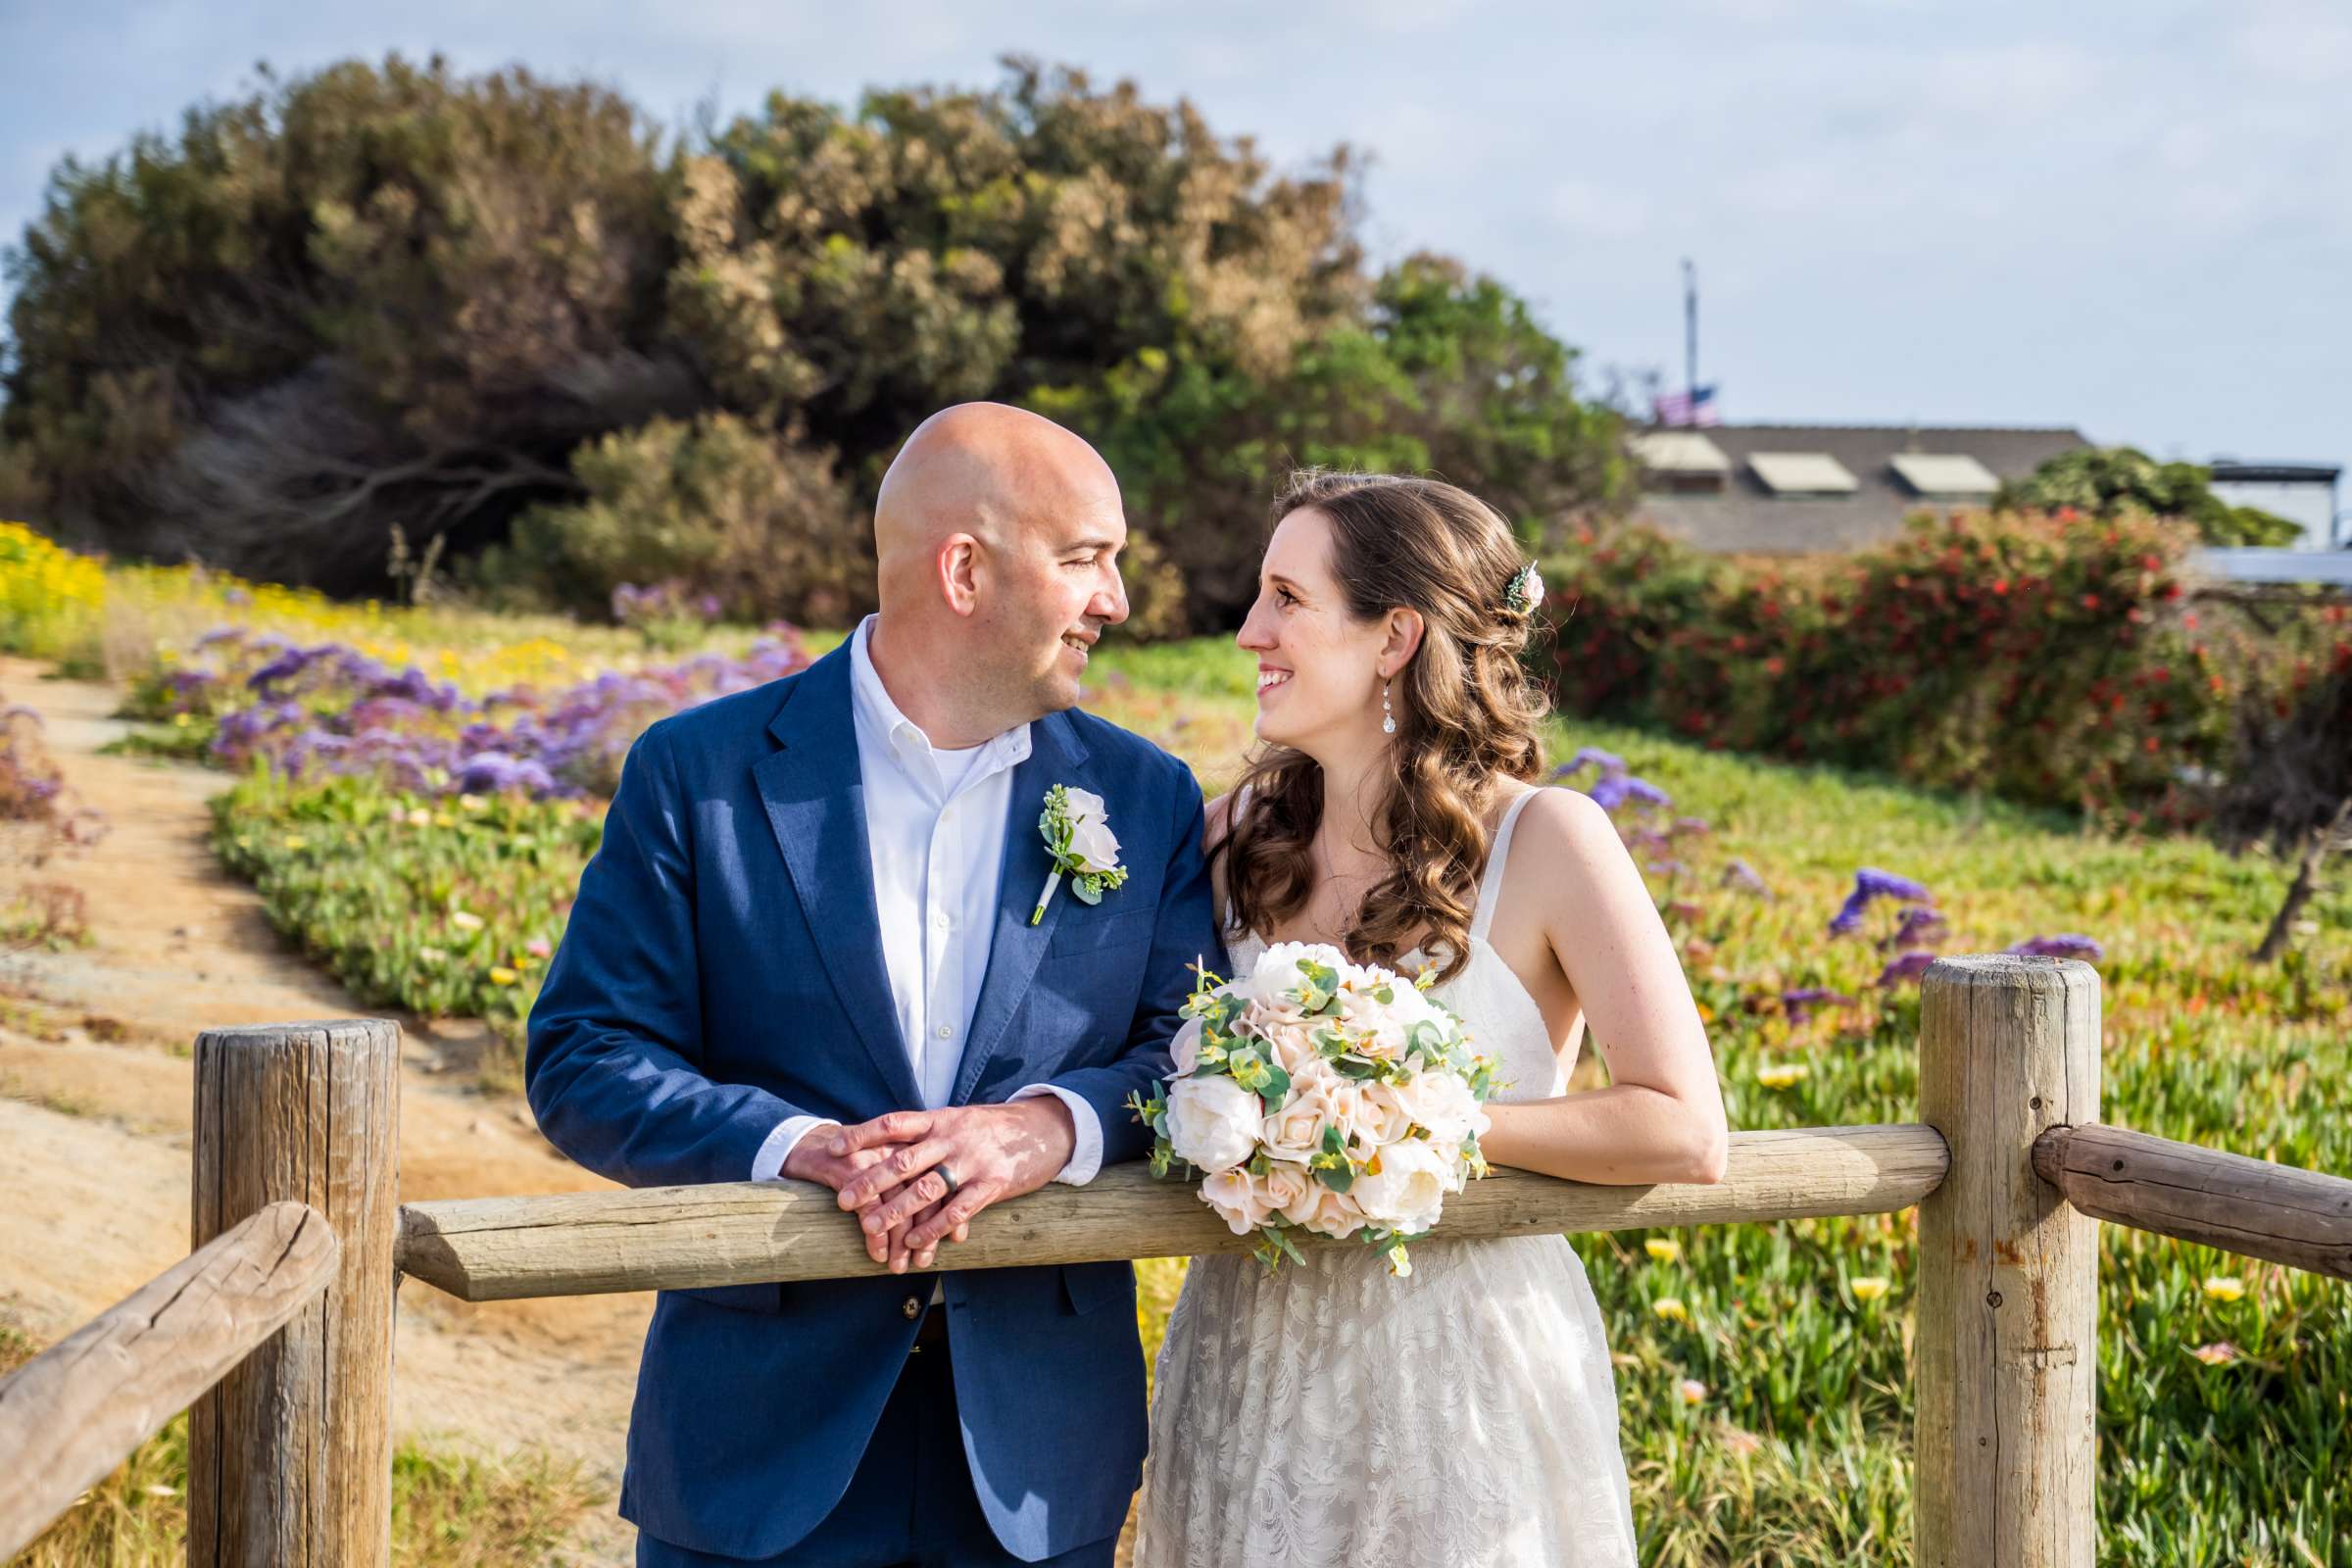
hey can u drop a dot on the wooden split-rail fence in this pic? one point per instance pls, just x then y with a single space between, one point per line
278 1327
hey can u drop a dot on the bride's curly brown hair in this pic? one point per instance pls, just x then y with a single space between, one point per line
1467 717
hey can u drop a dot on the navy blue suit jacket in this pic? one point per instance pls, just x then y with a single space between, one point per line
722 971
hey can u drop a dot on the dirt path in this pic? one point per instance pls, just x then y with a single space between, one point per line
95 1097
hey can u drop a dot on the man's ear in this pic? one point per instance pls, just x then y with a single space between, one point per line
961 569
1402 642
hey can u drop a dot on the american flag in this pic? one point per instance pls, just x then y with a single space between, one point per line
1695 406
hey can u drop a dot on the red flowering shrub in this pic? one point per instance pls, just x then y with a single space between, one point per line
2048 657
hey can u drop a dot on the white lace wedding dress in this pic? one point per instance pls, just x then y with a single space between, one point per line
1333 1414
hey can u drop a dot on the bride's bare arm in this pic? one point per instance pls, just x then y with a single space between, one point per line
1661 1119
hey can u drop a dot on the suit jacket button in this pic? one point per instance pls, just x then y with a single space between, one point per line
912 1307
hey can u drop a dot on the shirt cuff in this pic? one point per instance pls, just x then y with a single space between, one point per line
768 1163
1086 1151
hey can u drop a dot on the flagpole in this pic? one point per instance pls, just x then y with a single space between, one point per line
1690 340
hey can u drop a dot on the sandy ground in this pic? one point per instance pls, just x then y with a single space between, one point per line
95 1099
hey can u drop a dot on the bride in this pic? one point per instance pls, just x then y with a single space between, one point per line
1466 1413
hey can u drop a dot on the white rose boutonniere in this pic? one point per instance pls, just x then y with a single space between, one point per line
1078 835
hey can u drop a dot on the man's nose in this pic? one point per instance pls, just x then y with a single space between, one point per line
1111 603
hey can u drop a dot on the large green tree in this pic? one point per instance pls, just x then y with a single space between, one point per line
393 295
364 297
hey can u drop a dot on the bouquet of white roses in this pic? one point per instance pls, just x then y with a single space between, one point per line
1319 1095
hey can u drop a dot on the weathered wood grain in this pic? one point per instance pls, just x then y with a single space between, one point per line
2282 1214
2005 1472
494 1248
290 1454
74 1412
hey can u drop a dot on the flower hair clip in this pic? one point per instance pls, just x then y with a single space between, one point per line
1525 591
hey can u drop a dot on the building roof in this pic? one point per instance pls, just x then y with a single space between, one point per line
1752 512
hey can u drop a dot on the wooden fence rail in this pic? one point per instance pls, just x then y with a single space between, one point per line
737 1233
2007 1163
2302 1218
74 1412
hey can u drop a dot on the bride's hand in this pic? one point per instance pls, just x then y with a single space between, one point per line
995 1152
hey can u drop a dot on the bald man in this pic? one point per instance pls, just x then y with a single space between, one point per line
805 947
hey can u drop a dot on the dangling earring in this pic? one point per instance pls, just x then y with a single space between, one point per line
1387 719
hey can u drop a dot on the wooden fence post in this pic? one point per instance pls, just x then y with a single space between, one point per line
2007 1363
290 1454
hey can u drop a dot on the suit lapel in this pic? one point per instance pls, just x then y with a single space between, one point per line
815 802
1056 756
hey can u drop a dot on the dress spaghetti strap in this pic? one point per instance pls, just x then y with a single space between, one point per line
1489 884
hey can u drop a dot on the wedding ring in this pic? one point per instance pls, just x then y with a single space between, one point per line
946 1175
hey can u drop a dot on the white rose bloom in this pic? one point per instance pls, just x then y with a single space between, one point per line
1094 847
1410 1004
1407 1190
1092 842
1294 1044
1296 1130
1185 1048
1442 1103
1352 1115
1314 1073
1212 1122
1301 1194
1384 1116
1276 974
1321 1210
1286 1186
1237 1201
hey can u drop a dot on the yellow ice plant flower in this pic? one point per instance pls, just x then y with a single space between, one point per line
501 975
1663 1248
2224 1288
1869 1287
293 841
51 599
1666 1306
1779 1074
466 919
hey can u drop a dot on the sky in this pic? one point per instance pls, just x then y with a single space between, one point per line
2127 219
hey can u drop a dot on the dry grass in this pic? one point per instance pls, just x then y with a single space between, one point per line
448 1510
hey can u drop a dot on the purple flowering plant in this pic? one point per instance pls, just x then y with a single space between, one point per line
328 709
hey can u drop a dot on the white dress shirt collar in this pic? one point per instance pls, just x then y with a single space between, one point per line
939 773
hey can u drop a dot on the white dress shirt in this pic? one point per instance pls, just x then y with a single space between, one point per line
935 839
